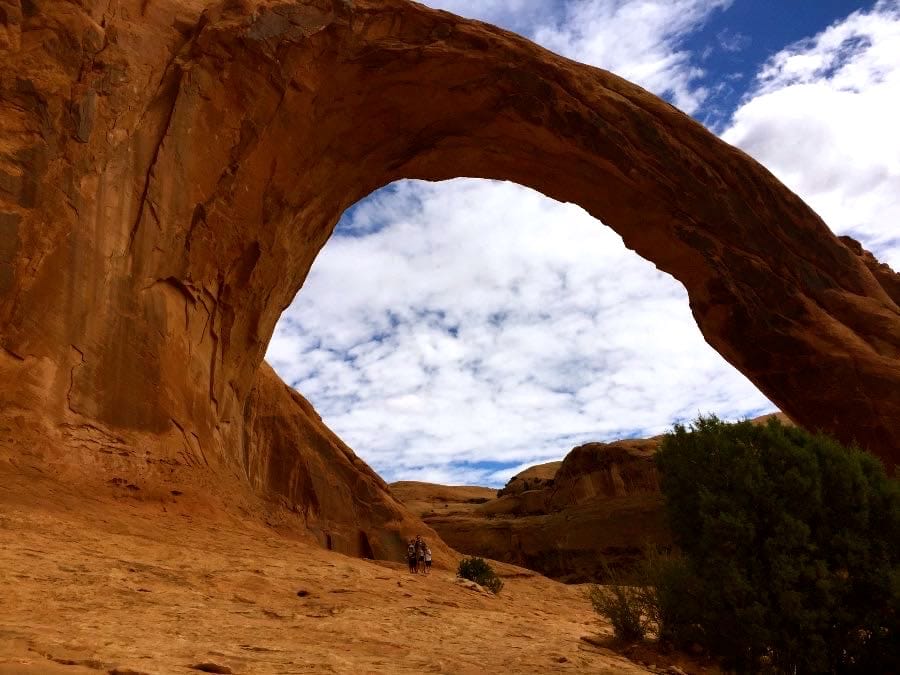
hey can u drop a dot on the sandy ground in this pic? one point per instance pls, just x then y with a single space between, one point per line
113 582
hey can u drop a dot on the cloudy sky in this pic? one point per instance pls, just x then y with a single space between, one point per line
458 332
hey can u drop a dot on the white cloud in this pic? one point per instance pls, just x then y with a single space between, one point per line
640 41
823 118
487 322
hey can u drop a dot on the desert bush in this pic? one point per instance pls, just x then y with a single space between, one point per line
625 603
648 598
621 606
791 548
479 571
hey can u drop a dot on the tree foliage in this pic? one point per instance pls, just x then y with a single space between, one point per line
623 604
791 548
479 571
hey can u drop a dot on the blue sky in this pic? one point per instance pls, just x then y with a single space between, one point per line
460 331
736 41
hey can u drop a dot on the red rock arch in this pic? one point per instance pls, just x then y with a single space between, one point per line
167 194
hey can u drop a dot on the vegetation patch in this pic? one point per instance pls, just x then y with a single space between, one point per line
479 571
789 553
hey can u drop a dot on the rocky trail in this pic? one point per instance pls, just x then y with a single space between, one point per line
114 584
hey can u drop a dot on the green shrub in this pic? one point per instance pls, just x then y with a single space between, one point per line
621 606
791 545
479 571
652 597
623 603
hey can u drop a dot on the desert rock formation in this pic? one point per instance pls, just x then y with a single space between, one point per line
170 169
600 505
342 502
532 478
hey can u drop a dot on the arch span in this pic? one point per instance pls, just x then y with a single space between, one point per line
191 209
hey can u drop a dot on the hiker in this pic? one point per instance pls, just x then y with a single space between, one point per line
427 560
420 553
411 556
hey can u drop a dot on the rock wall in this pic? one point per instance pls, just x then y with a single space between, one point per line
291 454
170 169
602 506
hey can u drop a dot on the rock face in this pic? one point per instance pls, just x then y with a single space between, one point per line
291 454
601 505
170 169
533 478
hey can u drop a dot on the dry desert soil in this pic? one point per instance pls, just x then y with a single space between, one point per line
112 581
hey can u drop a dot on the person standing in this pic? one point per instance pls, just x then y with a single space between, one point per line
412 556
420 553
427 560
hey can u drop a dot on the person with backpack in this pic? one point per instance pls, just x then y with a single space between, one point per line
412 556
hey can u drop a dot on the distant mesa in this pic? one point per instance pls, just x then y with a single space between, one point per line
601 504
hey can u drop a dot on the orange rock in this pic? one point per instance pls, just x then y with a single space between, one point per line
293 457
601 505
169 171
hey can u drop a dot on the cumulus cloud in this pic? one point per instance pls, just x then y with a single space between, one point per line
822 116
468 321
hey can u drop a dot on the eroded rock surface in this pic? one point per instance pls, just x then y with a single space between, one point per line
95 584
293 456
170 169
602 505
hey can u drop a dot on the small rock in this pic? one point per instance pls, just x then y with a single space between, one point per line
591 640
302 594
210 667
562 659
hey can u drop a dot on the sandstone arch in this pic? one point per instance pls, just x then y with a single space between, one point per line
171 169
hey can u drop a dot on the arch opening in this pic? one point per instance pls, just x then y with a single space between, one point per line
457 332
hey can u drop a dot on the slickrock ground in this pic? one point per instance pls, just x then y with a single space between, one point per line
111 580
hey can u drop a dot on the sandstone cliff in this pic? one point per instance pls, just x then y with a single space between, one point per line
170 169
294 457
